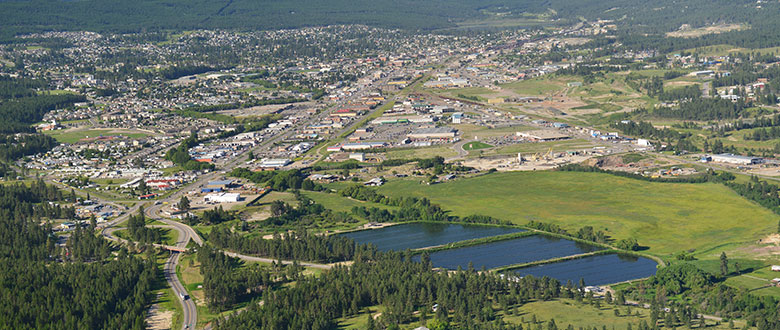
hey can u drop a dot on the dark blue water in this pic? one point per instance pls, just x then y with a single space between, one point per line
509 252
595 270
419 235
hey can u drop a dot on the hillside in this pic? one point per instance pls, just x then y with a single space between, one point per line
150 15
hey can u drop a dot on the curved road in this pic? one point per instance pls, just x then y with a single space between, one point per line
189 311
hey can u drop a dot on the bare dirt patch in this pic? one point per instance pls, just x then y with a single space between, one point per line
159 319
773 239
687 32
681 83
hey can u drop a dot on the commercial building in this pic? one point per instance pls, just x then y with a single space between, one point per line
223 198
735 159
543 135
457 118
401 120
359 156
219 184
433 133
362 145
274 162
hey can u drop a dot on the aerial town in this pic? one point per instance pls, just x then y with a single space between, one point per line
562 172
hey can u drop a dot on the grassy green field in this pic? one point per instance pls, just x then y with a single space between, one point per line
665 217
66 136
427 152
359 322
757 281
476 145
535 87
567 311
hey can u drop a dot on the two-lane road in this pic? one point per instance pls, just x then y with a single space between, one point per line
190 313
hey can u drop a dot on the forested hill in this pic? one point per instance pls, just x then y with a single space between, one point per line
132 16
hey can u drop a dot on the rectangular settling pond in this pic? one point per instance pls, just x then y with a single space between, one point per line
595 270
420 235
509 252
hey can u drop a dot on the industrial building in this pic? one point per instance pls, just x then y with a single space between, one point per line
362 145
543 135
222 198
274 162
389 120
433 133
359 156
457 118
735 159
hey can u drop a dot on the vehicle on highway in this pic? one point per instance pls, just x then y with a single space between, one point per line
183 296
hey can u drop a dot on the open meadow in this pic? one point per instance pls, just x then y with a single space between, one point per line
665 217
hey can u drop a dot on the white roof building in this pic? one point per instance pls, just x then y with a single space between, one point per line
223 197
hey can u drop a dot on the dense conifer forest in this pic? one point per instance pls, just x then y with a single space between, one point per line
43 286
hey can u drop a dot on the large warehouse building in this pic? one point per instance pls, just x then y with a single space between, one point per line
441 133
223 198
736 159
543 135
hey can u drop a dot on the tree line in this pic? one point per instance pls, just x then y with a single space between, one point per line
703 109
226 282
759 191
297 245
307 214
278 180
21 106
41 290
409 208
136 227
181 155
407 290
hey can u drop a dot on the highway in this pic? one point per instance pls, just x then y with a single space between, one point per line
189 311
186 233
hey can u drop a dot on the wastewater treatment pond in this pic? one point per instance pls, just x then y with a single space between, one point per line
421 234
597 269
509 252
594 270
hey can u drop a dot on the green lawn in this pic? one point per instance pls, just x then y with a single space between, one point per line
567 311
665 217
756 281
535 87
427 152
359 322
476 145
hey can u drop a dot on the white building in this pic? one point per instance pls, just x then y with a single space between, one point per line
274 162
223 198
735 159
359 156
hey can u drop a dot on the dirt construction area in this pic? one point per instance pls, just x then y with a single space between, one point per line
510 163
